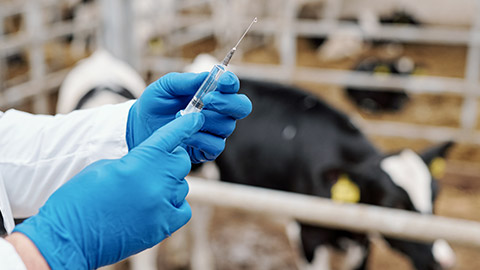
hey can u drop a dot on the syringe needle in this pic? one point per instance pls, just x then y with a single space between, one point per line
254 21
210 83
229 55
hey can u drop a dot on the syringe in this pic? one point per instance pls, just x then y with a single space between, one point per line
210 83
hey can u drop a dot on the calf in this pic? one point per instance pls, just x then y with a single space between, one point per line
302 145
98 80
294 142
381 100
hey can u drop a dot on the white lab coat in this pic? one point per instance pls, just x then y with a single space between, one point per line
39 153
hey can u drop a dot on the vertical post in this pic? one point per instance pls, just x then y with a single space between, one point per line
331 12
34 26
117 29
288 38
472 76
2 55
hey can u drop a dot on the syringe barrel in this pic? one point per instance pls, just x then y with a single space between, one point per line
208 85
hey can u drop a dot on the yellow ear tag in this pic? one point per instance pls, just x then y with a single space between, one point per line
345 190
381 70
418 72
437 167
157 45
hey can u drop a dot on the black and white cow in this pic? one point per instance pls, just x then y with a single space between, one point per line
378 100
295 142
292 141
98 80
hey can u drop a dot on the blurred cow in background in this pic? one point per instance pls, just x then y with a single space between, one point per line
295 142
378 100
97 80
348 41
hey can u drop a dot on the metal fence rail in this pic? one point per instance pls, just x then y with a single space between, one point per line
34 34
115 28
324 212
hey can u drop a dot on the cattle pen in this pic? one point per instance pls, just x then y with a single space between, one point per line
125 41
160 36
325 212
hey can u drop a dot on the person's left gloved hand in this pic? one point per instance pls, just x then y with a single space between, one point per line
116 208
163 99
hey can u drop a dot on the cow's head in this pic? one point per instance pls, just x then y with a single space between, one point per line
407 181
98 80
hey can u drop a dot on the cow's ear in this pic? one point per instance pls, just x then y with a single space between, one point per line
434 157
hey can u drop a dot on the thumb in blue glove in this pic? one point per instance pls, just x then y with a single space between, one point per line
116 208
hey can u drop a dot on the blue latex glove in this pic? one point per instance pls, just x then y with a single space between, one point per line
116 208
163 99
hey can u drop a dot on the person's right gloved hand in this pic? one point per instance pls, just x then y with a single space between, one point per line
116 208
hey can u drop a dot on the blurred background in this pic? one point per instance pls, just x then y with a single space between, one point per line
406 71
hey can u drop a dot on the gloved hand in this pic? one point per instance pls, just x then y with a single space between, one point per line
163 99
116 208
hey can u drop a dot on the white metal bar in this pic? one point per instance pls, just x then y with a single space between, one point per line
420 84
2 57
34 26
16 95
468 117
17 80
412 84
409 34
13 43
414 131
196 32
11 8
331 11
463 169
16 7
40 83
313 28
187 4
65 28
288 38
324 212
117 28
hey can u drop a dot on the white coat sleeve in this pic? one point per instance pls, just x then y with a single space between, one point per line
9 258
39 153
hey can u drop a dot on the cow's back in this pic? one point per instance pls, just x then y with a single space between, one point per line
290 139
